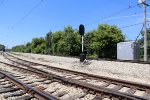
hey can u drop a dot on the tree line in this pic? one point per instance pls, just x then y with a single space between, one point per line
141 41
2 47
98 43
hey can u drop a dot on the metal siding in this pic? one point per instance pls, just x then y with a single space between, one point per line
127 51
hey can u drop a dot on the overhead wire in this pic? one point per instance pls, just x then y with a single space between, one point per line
109 17
118 12
127 16
131 25
139 33
28 13
135 25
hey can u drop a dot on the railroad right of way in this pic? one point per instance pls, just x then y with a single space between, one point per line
119 85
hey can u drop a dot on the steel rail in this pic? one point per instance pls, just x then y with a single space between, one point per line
41 95
84 85
123 83
107 59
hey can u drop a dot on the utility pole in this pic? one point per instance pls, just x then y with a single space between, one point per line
145 31
145 28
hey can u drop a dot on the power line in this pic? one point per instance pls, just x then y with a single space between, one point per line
124 16
135 25
139 33
131 25
118 12
27 14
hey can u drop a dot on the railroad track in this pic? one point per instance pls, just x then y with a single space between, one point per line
14 89
47 85
117 88
106 59
117 60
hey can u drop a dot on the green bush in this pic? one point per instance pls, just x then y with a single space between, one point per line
99 43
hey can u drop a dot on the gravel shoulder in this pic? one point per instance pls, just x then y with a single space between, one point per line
120 70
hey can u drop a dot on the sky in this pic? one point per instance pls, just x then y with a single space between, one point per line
22 20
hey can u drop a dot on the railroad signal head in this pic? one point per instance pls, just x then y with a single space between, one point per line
81 29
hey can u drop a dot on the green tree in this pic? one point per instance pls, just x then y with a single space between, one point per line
38 45
141 41
48 41
66 42
72 40
19 48
2 47
56 37
28 47
102 41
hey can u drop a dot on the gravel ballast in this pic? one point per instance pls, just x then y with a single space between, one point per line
122 70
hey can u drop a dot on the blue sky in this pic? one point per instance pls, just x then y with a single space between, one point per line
20 20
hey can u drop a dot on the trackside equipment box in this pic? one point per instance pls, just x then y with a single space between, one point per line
128 51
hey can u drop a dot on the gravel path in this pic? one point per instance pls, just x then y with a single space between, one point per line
122 70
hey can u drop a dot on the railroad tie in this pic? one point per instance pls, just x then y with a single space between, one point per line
131 91
2 80
16 93
4 90
104 84
6 86
98 98
5 82
67 97
60 94
24 97
109 89
116 88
